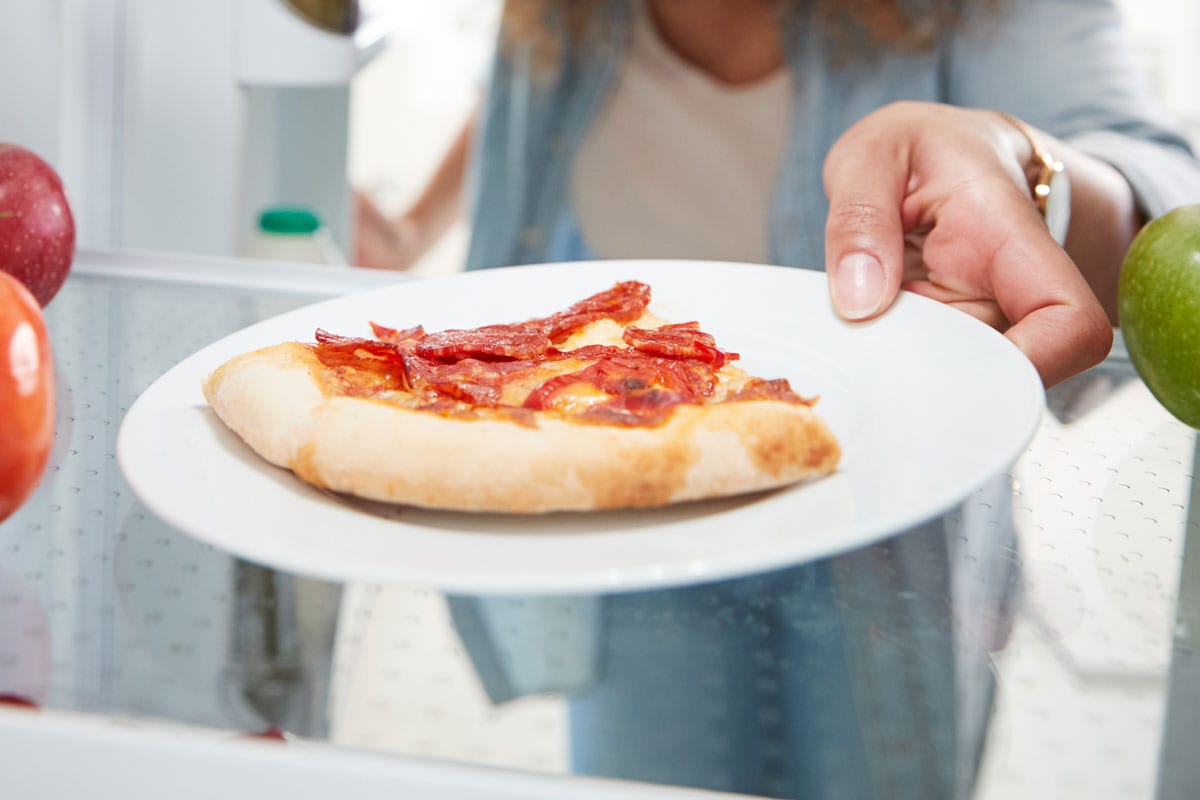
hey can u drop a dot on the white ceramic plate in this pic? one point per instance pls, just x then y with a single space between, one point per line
927 402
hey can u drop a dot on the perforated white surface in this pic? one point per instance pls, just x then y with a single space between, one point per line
1102 504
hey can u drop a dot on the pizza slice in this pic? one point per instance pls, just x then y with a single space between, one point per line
600 406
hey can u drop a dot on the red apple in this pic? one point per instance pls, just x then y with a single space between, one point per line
37 231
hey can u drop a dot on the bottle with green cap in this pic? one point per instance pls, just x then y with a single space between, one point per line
293 233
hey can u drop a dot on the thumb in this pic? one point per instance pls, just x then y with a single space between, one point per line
864 234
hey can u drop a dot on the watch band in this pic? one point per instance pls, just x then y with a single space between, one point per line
1049 167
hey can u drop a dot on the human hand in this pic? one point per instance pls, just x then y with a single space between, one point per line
934 199
380 242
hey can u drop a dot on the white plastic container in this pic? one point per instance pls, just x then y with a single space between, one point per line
291 233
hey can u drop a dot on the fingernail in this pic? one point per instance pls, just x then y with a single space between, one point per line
858 286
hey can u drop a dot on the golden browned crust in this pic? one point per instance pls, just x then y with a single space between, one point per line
273 399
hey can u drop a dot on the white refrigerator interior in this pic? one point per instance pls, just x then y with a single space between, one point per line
173 123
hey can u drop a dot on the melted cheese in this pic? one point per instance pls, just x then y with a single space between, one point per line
576 399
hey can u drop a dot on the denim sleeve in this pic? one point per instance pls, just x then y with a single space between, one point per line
1070 68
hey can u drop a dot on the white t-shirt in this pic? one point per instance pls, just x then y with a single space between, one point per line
679 164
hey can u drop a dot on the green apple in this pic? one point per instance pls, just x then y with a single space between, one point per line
1158 300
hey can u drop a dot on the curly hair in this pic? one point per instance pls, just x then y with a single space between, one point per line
860 26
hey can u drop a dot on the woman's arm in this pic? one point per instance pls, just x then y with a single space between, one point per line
398 243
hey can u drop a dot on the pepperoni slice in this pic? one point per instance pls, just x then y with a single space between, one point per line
623 303
470 380
628 373
492 342
678 341
364 365
393 336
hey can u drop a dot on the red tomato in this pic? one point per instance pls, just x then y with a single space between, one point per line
26 394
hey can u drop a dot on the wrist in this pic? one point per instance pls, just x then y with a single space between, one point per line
1046 176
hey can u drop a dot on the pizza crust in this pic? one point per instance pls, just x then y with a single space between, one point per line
274 400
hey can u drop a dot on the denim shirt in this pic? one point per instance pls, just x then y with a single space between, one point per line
1064 66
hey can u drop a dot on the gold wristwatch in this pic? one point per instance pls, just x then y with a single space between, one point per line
1051 187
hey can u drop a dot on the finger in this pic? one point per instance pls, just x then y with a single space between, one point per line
864 235
986 311
992 226
1061 325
